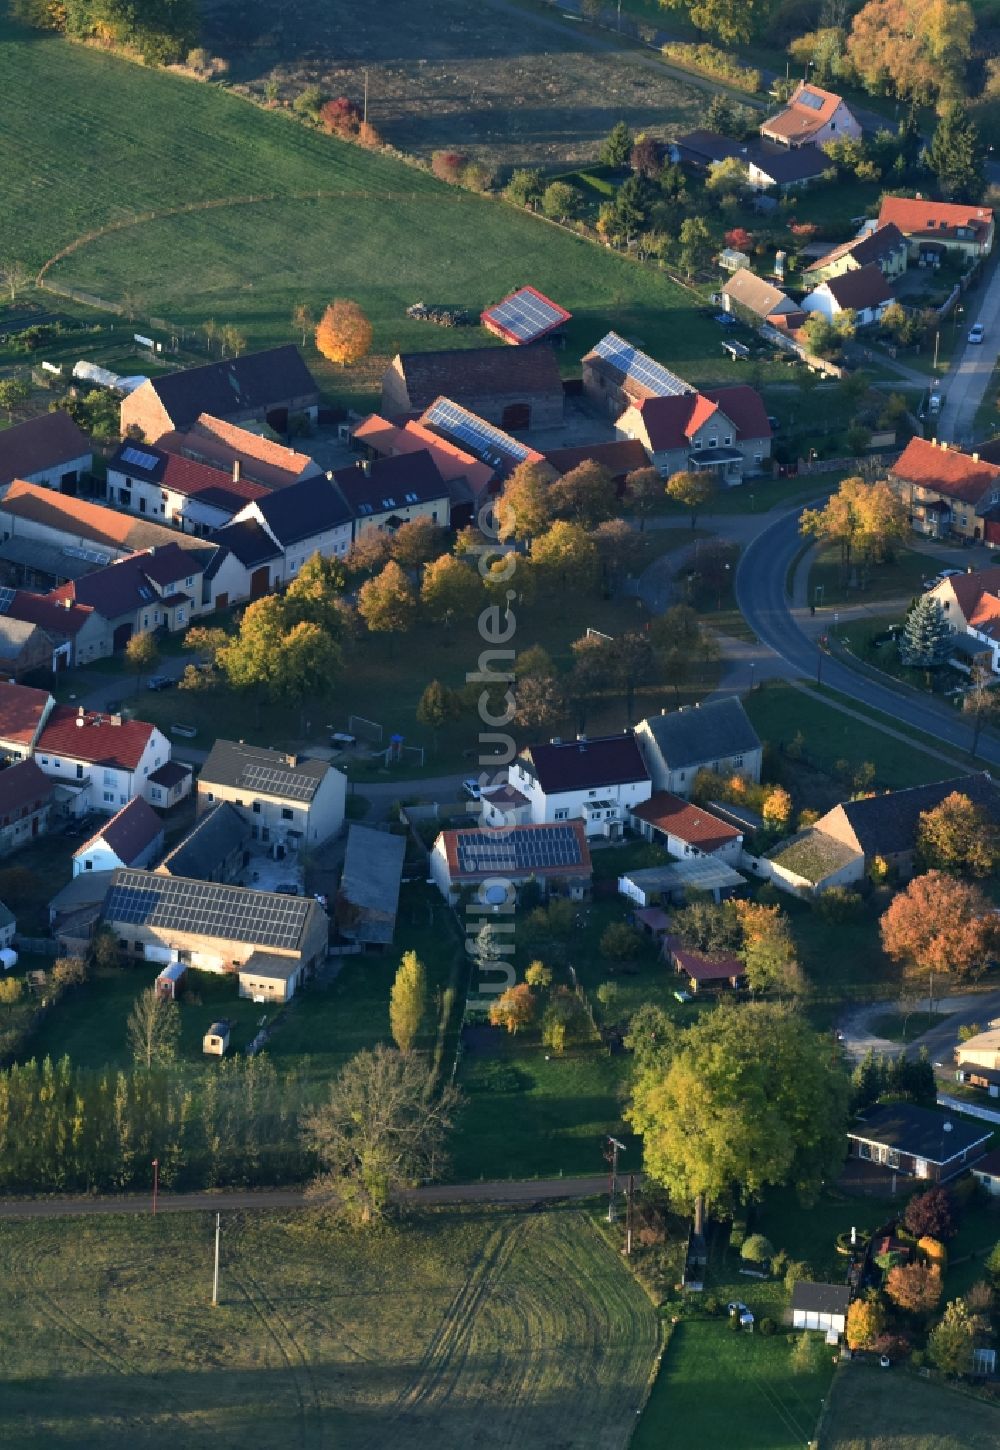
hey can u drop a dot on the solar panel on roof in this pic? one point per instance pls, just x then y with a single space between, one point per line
139 898
138 457
808 98
519 851
6 599
526 315
273 781
487 443
632 363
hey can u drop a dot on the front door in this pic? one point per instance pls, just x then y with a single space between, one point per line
260 582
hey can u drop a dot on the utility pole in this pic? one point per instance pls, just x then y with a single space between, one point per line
629 1212
937 339
365 112
156 1182
215 1281
611 1153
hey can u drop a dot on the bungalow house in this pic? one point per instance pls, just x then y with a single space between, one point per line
776 168
24 648
524 317
160 588
380 495
288 801
269 941
755 300
245 455
132 837
514 388
259 387
820 1306
496 863
469 481
971 603
863 291
85 533
884 247
99 761
49 451
723 430
716 736
811 117
917 1142
194 497
947 491
215 848
306 518
26 795
935 228
616 374
686 830
986 1172
368 897
169 784
23 713
596 780
699 151
703 970
76 632
982 1051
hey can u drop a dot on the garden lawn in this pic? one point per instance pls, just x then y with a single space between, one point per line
910 1413
900 579
900 1027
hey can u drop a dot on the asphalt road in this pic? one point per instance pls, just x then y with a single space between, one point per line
761 596
972 366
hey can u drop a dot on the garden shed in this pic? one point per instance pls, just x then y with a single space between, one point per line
215 1043
820 1306
170 981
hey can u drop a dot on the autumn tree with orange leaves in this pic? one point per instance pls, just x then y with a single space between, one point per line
940 925
344 334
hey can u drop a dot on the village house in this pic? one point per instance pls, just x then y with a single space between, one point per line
247 564
246 456
269 941
99 761
948 491
368 896
934 229
699 151
916 1142
716 736
524 317
596 780
495 864
469 481
514 388
49 450
971 603
779 168
288 801
193 497
160 588
132 837
755 300
485 441
26 796
215 848
24 648
723 430
23 713
811 117
617 374
503 805
986 1172
686 830
306 518
76 632
884 247
169 784
382 494
865 292
259 387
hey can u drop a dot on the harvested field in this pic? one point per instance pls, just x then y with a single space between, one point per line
510 86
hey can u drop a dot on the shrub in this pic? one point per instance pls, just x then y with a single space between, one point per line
767 1326
715 62
10 990
341 117
498 1077
449 165
308 102
838 905
737 1233
933 1251
756 1249
477 176
798 1271
931 1214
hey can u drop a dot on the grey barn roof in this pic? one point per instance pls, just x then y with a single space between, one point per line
263 772
41 443
821 1298
373 867
310 506
253 382
215 836
703 733
887 824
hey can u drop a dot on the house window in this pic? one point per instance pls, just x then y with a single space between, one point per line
286 814
737 761
256 807
109 777
560 815
88 865
109 797
697 443
209 796
155 792
79 772
188 582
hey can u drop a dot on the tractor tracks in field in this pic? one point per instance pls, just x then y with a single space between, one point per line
296 1361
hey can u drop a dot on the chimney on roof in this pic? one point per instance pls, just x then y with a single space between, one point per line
80 721
66 603
366 467
582 738
292 759
79 711
975 458
237 470
115 719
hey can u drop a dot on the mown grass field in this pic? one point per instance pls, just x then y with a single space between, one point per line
339 221
481 1327
871 1410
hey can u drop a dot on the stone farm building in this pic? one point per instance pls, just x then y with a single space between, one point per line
288 801
515 388
49 450
259 387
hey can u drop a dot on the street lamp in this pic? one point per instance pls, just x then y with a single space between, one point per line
615 1146
723 582
945 1128
156 1182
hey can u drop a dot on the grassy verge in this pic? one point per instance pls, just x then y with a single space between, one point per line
903 1027
899 579
911 1414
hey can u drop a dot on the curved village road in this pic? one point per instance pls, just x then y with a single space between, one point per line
763 601
542 1190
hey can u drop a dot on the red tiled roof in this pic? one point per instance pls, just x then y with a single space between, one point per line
452 462
743 406
40 443
97 740
799 120
56 616
700 967
671 422
970 589
693 824
948 471
128 833
247 444
585 764
185 476
23 784
21 711
85 520
916 217
624 456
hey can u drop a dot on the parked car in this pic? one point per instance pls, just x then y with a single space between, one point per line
977 332
186 732
724 319
341 737
160 682
472 788
940 577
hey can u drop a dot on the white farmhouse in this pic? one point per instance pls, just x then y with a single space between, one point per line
595 780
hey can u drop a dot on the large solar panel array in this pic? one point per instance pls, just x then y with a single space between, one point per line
517 851
139 458
273 781
6 599
632 363
488 444
174 903
526 315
